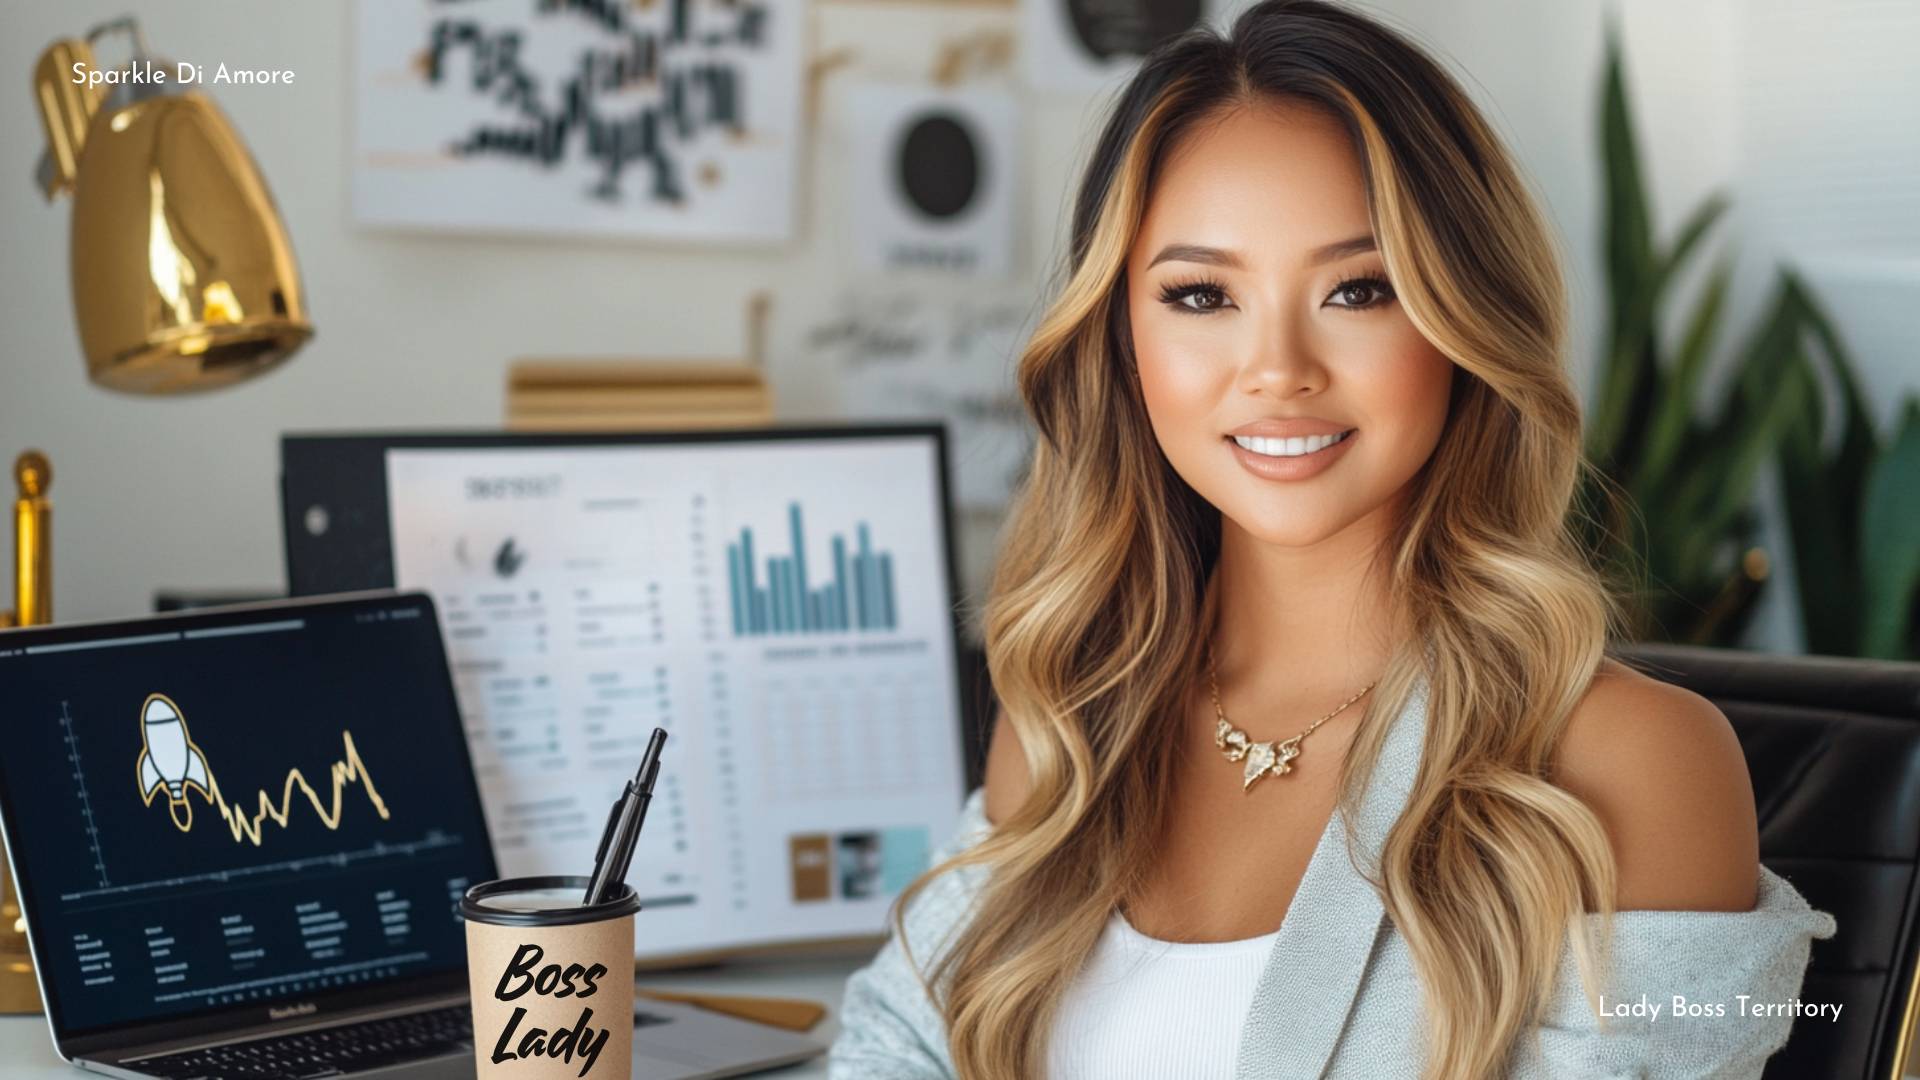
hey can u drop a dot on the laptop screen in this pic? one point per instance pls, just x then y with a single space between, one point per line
256 807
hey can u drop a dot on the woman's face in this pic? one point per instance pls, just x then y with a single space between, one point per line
1261 310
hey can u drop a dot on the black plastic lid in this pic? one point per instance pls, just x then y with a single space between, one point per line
624 902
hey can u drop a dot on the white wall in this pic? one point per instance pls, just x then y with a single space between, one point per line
416 330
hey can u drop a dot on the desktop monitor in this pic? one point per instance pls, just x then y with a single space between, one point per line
781 600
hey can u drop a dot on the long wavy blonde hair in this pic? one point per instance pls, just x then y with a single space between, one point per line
1100 598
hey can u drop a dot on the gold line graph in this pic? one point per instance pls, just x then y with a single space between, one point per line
170 760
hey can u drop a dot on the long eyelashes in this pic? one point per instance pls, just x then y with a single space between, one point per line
1381 290
1174 294
1213 294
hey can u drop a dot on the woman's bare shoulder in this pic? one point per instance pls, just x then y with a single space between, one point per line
1663 769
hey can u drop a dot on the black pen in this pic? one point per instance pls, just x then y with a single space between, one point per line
624 853
606 831
623 824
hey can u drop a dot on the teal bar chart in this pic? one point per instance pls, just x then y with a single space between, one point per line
780 597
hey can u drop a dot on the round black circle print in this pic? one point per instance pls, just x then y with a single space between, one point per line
939 164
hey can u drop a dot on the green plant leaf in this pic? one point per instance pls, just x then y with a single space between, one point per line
1692 233
1769 352
1668 428
1825 571
1890 541
1764 400
1627 239
1629 223
1859 446
1652 385
1823 493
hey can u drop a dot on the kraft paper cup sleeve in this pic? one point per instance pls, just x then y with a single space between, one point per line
568 936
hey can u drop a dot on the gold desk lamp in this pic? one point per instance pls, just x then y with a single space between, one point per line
32 605
183 277
183 280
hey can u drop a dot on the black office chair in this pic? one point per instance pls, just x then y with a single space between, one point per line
1833 746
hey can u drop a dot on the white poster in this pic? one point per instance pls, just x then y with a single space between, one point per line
675 120
915 356
933 178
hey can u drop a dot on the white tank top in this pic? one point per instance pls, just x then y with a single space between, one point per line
1143 1007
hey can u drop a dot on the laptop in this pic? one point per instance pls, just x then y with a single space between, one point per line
239 837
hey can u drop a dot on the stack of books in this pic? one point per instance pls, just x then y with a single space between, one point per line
636 395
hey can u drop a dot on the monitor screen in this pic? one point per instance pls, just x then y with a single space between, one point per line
781 602
236 808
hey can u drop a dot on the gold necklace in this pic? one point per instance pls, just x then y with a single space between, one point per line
1261 757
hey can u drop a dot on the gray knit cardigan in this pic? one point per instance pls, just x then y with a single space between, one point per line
1339 998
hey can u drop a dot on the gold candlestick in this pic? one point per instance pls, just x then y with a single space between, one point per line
32 540
33 605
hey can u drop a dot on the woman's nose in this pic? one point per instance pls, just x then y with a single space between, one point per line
1280 358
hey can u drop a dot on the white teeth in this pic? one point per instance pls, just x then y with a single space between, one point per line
1289 447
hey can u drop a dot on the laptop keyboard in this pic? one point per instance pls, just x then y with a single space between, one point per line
334 1051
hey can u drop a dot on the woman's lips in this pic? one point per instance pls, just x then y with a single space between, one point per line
1301 467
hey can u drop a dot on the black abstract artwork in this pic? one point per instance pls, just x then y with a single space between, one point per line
602 109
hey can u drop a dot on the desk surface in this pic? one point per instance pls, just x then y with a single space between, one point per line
27 1048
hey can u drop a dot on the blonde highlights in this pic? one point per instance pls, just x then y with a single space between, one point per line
1101 591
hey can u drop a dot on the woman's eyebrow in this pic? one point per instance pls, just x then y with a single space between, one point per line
1198 253
1340 249
1213 256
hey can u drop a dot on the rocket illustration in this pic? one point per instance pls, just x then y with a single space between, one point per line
168 759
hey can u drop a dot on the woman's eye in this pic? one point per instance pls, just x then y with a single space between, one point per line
1362 292
1205 299
1194 298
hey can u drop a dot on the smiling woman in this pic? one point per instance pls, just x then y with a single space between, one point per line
1310 759
1241 343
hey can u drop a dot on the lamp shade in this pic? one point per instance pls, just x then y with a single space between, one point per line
183 276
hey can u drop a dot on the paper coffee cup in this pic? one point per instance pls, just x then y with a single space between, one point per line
551 979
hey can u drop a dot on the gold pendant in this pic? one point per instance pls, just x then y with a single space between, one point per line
1261 758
